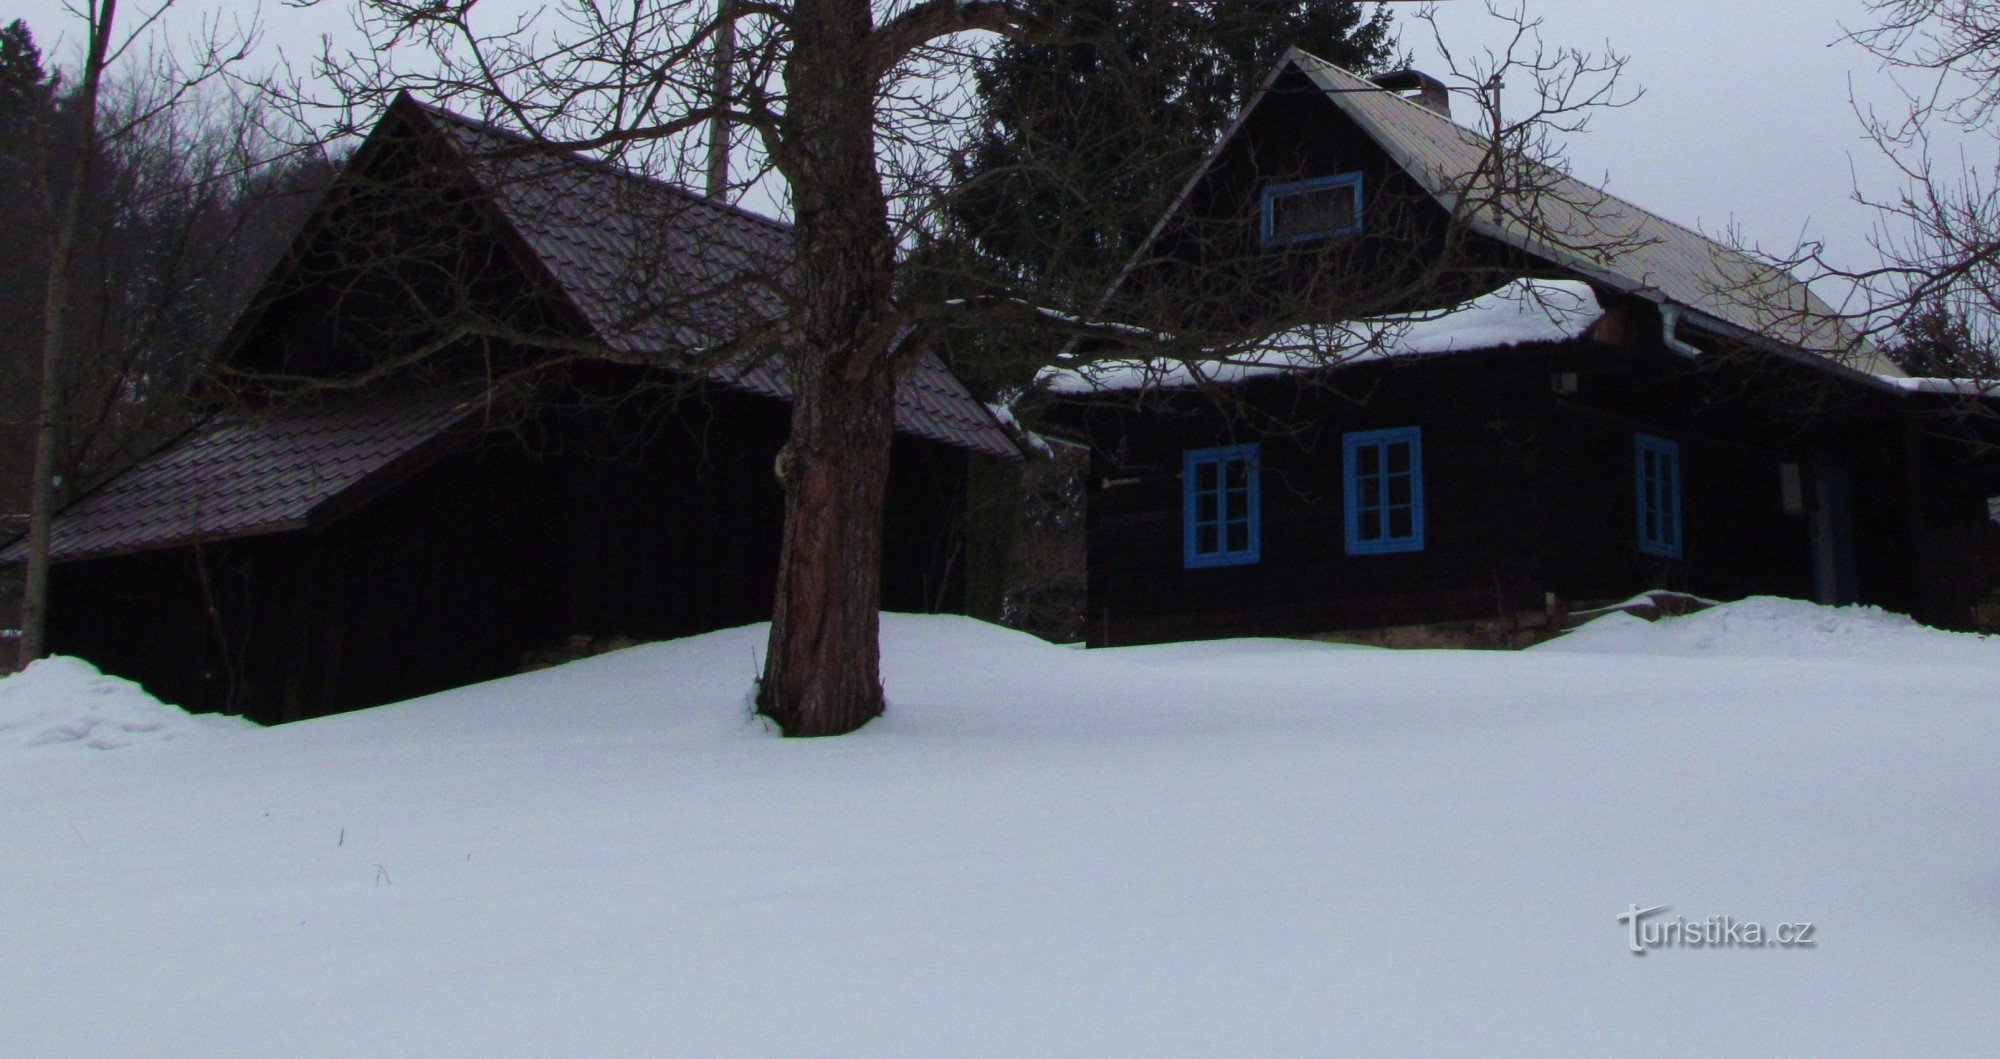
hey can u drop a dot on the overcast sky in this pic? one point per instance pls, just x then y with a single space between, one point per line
1745 118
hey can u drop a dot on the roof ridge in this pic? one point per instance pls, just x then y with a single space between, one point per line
1435 116
1714 244
575 157
1411 103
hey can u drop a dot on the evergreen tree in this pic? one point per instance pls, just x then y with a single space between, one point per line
1123 105
1107 120
23 80
27 112
1937 342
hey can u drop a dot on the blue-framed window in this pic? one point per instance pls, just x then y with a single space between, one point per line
1310 209
1384 472
1656 465
1220 513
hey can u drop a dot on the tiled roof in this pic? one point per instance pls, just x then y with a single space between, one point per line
658 271
245 473
1596 234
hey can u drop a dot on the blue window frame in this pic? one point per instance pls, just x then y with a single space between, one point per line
1310 209
1220 515
1384 472
1656 465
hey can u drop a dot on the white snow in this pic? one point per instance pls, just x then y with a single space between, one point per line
66 702
1522 312
1949 387
1249 847
1003 412
1779 628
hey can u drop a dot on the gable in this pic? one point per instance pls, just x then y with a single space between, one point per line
553 247
402 245
1312 119
1394 258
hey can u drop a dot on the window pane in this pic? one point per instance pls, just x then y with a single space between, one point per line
1239 536
1205 540
1205 507
1370 492
1399 489
1204 476
1312 212
1239 504
1400 523
1238 474
1368 460
1399 457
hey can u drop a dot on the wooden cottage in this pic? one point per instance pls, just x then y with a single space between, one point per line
1570 423
478 445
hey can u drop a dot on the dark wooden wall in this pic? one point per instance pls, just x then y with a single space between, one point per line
1304 581
644 521
1528 493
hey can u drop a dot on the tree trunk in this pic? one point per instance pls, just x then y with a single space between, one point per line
55 337
822 675
41 482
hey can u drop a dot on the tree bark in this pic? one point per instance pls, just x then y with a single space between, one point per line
55 337
822 674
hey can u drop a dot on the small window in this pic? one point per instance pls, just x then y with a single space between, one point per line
1385 490
1657 467
1312 209
1220 517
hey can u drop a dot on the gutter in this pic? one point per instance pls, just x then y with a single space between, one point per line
1670 322
1673 317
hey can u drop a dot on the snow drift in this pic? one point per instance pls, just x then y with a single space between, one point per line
66 702
1769 625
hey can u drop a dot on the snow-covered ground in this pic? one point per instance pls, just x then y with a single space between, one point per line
1237 848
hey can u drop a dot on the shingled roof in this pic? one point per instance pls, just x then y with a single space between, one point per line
659 272
1596 234
240 474
1585 230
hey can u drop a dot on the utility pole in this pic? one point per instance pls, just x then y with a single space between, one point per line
723 86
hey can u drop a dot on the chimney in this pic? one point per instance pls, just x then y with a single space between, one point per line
1418 87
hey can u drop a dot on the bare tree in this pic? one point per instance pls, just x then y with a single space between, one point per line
850 115
1935 276
119 152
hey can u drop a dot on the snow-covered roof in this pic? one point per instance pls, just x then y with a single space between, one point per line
1523 312
1947 387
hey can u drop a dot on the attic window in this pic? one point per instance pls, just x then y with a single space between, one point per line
1311 209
